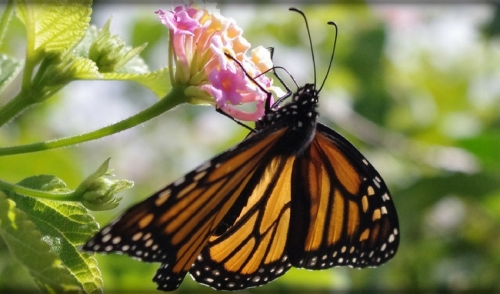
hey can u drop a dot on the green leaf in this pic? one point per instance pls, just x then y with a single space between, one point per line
9 67
26 243
65 67
54 25
158 81
84 69
63 226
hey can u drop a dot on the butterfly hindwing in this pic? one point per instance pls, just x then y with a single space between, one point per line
253 251
352 218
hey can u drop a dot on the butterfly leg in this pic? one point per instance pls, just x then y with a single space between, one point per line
219 110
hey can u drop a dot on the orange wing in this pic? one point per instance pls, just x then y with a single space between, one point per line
322 208
173 225
352 219
253 251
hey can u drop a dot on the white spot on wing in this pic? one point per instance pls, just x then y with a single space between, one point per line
106 230
203 167
106 238
179 181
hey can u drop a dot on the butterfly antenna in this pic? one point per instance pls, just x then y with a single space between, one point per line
310 40
333 53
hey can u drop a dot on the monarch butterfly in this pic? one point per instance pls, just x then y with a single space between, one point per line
293 193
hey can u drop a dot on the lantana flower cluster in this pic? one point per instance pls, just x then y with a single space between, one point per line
199 40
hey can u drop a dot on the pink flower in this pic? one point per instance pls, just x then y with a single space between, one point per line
179 20
199 41
226 86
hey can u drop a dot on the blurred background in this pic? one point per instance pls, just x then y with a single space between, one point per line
415 87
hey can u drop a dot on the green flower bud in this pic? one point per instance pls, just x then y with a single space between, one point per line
109 52
98 192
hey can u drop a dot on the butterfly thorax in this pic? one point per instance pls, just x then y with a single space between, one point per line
298 116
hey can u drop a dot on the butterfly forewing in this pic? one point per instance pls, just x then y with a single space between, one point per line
173 225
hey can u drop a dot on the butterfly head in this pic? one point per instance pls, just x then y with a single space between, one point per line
301 111
306 95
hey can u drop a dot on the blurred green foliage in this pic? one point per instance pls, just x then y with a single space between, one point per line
434 136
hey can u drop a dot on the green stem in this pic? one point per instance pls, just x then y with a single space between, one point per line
14 107
6 16
29 95
173 98
69 196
